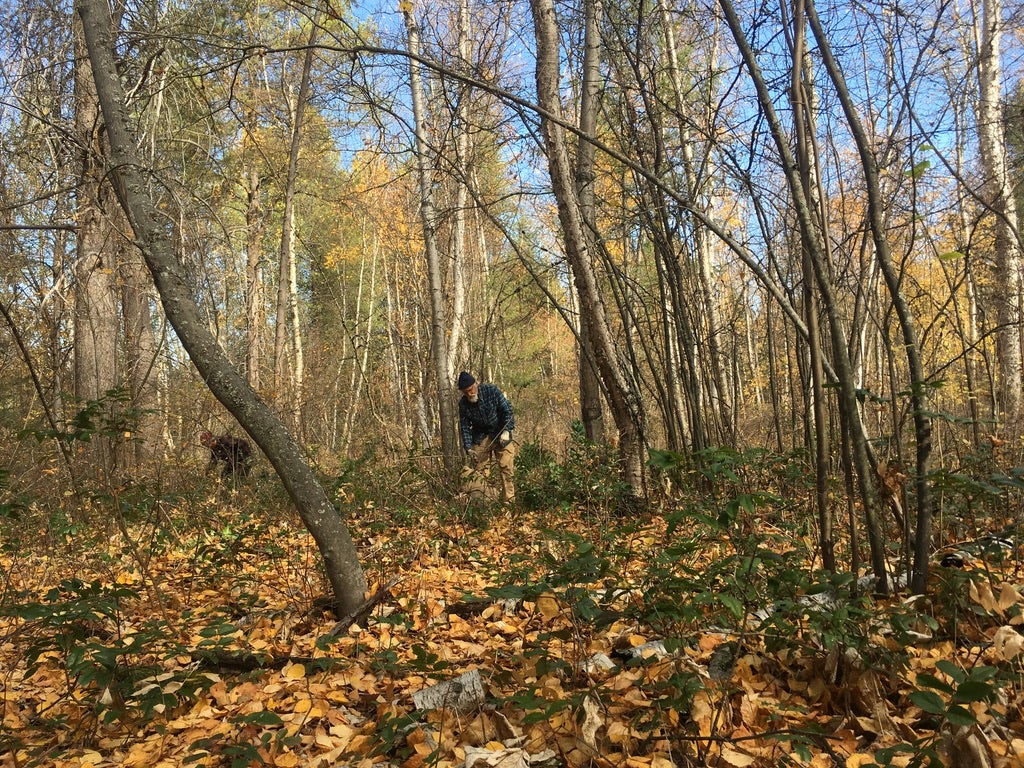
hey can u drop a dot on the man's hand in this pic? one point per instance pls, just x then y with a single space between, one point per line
504 438
471 457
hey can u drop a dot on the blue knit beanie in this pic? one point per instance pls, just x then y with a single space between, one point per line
465 381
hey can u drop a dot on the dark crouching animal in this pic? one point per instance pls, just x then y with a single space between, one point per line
234 454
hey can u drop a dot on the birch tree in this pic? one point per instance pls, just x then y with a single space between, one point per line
288 326
998 195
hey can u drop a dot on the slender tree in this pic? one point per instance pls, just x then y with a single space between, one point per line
860 450
125 170
998 196
428 215
579 247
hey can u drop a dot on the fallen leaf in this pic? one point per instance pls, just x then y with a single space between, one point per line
592 722
548 606
1008 596
738 759
1007 643
477 757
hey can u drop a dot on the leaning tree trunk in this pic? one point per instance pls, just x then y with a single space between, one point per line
860 450
623 401
918 383
341 560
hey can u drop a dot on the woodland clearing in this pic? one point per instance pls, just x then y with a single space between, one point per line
191 635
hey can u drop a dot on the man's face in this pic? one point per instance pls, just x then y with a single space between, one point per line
470 392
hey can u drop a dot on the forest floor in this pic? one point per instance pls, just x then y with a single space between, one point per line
193 637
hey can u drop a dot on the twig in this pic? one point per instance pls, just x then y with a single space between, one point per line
359 613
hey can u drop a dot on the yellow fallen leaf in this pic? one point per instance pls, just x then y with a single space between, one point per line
732 757
982 595
144 754
295 672
857 759
548 606
1008 596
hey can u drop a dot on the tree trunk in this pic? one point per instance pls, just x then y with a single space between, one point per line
458 343
450 449
998 196
255 312
591 409
918 382
803 122
718 385
362 340
141 351
860 450
287 288
341 561
96 305
623 401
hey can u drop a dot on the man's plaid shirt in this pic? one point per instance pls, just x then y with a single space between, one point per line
487 417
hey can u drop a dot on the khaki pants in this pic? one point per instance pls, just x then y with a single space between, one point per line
491 450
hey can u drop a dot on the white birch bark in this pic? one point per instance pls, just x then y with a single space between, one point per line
998 195
288 324
458 346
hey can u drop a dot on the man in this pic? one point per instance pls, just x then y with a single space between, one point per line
232 452
486 423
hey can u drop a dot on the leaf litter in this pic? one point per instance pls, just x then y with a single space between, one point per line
214 652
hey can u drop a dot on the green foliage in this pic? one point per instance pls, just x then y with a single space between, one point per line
389 738
586 477
715 565
947 699
11 504
108 416
254 738
77 625
726 473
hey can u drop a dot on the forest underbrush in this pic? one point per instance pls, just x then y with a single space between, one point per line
146 629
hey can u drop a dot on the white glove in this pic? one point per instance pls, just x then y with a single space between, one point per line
504 438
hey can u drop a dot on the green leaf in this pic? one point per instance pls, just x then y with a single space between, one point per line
973 690
929 701
218 630
960 716
263 717
930 681
735 606
951 669
919 169
950 256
